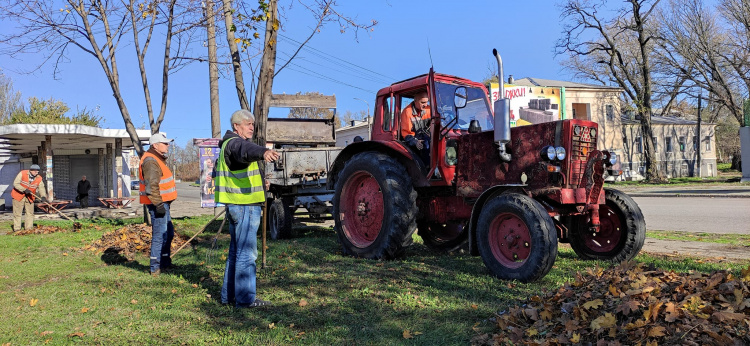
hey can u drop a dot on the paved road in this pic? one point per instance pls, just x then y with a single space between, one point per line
696 214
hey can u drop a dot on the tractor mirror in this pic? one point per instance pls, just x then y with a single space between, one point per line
459 98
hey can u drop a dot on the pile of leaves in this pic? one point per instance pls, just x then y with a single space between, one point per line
632 305
41 230
129 240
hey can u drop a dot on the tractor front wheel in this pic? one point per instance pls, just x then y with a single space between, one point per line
516 238
374 207
622 230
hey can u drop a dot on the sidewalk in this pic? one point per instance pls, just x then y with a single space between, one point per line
708 190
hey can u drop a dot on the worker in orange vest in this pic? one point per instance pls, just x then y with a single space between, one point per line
27 184
157 190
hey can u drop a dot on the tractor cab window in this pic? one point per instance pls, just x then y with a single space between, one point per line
459 119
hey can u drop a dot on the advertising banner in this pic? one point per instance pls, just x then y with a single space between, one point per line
208 152
530 105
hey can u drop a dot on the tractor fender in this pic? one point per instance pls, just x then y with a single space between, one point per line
479 205
415 168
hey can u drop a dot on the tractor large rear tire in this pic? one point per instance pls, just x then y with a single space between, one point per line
280 219
516 238
621 235
374 207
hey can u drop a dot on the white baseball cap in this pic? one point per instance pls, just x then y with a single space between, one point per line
159 138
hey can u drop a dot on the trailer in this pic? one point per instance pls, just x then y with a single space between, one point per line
298 179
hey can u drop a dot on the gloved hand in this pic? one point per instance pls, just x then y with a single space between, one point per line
27 192
414 142
160 210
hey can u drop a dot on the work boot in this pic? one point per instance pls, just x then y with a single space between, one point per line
156 273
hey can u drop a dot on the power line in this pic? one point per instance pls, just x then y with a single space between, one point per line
324 77
328 55
299 59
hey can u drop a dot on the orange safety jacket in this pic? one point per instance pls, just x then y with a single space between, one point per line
167 187
33 185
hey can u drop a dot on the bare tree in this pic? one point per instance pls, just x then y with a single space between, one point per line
324 12
10 99
102 29
709 47
619 50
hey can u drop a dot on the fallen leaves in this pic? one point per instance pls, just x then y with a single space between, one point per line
302 302
407 334
40 230
33 301
129 240
631 304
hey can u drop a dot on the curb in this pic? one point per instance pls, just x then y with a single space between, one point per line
706 195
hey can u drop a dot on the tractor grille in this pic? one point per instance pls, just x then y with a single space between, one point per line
583 143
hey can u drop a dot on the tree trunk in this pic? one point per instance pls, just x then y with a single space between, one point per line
265 80
213 70
239 82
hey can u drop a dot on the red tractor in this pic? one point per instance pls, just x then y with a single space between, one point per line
511 193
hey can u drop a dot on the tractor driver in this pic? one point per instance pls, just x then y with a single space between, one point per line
415 126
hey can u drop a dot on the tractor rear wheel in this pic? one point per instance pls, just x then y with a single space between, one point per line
449 236
374 207
280 217
516 238
622 230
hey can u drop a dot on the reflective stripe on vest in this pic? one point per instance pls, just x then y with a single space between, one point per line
167 187
33 185
244 186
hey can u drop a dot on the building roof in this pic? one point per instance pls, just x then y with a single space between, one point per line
539 82
26 138
657 120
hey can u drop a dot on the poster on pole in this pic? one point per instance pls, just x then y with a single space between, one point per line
208 152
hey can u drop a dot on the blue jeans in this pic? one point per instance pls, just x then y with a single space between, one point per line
162 233
239 274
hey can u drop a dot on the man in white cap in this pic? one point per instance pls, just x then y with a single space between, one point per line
26 186
157 191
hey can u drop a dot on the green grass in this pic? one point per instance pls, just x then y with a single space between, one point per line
730 239
445 297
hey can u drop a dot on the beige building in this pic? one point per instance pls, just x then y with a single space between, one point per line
676 146
345 135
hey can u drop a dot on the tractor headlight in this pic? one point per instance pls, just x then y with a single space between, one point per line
560 153
612 158
548 153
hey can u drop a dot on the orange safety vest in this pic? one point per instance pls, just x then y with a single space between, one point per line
19 195
167 187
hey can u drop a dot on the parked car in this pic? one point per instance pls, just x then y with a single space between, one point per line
134 184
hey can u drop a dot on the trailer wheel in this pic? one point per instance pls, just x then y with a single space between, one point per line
449 236
516 238
280 219
374 207
622 230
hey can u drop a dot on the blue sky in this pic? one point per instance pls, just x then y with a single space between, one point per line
461 37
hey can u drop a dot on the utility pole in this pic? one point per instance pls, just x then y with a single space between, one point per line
698 150
213 69
369 130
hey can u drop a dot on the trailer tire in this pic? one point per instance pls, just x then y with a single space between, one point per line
447 237
622 230
516 238
374 207
280 219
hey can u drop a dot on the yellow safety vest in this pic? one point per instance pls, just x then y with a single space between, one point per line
244 186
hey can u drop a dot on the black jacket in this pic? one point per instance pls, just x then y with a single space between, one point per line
84 187
240 153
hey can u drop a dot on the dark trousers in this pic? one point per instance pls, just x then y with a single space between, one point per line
83 200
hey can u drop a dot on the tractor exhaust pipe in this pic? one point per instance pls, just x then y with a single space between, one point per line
502 113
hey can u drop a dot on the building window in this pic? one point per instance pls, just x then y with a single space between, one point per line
668 144
639 144
681 142
656 144
708 143
695 144
610 109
